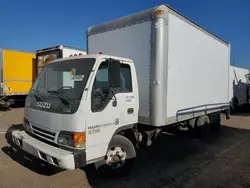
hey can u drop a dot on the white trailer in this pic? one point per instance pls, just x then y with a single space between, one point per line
99 108
238 87
177 63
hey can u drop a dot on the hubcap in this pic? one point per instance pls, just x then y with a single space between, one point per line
116 157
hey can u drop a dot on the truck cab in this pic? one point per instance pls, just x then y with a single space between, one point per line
75 108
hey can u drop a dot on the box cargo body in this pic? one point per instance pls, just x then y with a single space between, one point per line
16 69
238 85
45 55
182 69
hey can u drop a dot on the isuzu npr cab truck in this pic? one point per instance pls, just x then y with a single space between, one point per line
156 69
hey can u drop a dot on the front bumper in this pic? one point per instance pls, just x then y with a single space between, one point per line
62 158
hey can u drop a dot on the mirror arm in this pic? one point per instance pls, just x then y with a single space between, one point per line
114 103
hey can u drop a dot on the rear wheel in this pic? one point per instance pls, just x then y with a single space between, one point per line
119 158
215 122
191 123
202 126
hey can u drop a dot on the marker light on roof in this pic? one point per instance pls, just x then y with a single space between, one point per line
75 55
100 53
159 11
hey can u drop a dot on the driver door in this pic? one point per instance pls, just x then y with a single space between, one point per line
110 108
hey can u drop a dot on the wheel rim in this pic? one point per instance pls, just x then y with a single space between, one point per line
116 157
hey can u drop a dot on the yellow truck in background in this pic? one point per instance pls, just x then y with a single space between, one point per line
17 73
18 70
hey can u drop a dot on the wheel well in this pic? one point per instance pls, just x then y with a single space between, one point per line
202 119
129 134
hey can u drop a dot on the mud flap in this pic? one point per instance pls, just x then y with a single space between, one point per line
227 112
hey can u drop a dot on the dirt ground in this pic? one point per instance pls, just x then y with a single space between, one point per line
221 159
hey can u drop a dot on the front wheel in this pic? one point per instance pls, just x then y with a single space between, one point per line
119 158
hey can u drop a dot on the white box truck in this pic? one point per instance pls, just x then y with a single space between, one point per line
238 87
46 55
158 70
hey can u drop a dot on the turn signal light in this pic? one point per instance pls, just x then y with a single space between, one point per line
79 139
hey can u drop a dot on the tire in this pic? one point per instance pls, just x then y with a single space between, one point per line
4 104
215 124
202 126
11 101
191 123
128 150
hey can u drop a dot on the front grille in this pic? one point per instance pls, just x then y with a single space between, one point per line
43 133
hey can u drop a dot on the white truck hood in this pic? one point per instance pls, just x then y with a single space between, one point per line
55 122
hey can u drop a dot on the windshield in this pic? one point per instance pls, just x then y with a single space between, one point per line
62 83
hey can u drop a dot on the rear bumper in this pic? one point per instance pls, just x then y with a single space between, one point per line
64 159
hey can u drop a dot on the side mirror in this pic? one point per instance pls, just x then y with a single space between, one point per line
114 102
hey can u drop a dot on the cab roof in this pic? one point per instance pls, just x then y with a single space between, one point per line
96 56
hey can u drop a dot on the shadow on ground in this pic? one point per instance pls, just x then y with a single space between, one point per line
2 109
25 159
172 160
243 111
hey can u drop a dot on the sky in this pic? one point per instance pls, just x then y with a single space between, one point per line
29 25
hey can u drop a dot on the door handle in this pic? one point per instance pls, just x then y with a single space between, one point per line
130 111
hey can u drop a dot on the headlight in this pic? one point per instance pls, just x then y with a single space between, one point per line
72 139
65 138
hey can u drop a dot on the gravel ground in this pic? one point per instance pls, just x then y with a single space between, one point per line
8 118
221 159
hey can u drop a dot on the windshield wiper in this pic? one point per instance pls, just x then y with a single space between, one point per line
60 95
